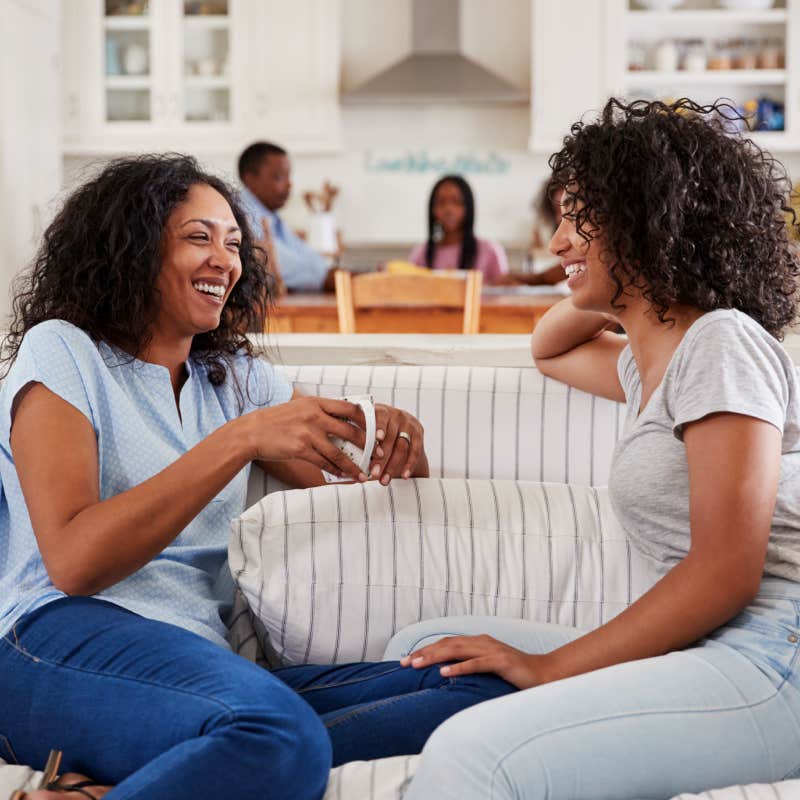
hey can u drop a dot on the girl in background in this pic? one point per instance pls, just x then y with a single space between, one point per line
452 243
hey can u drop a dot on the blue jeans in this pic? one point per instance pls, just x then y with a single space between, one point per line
721 713
161 712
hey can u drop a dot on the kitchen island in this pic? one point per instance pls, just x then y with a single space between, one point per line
503 310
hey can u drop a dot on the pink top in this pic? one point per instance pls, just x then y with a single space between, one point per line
490 259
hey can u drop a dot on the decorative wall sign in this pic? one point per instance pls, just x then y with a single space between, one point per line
421 162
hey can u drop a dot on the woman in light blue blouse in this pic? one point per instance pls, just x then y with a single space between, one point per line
129 418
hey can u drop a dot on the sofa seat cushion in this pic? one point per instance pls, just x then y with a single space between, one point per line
334 572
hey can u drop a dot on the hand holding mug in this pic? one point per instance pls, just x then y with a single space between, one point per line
399 446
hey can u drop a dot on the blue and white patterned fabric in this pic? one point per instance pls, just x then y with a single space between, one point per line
131 406
302 269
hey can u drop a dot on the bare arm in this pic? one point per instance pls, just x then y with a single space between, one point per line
734 464
575 347
88 544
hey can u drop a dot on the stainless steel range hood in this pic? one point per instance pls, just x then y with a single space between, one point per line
436 71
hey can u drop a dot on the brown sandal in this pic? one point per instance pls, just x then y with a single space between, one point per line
50 782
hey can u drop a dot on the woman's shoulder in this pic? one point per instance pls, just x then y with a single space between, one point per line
731 343
733 332
54 338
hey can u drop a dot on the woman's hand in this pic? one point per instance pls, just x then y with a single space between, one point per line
481 654
301 429
399 449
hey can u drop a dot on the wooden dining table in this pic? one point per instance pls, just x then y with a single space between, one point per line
507 311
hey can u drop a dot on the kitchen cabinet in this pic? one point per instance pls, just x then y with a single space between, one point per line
584 53
199 75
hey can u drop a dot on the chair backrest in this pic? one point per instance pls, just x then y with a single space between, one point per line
395 293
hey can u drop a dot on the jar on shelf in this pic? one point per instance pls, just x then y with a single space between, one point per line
744 54
665 56
770 54
694 55
637 56
719 55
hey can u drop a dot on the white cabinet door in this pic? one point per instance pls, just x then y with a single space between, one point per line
567 66
294 80
200 75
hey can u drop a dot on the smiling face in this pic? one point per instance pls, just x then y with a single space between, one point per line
449 209
200 264
587 274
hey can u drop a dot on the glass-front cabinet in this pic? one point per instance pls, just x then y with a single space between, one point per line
191 75
127 61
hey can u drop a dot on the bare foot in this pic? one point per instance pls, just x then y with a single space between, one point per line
65 780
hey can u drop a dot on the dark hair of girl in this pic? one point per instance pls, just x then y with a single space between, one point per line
688 213
99 260
469 245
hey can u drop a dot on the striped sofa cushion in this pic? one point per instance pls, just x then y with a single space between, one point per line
334 572
382 779
482 422
388 778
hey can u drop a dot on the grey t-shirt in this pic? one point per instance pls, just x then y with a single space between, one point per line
725 362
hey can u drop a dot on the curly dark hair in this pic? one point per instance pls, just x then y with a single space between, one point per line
99 260
688 213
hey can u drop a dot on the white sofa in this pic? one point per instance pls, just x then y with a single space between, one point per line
502 423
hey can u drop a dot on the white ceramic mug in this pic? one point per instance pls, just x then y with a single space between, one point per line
356 454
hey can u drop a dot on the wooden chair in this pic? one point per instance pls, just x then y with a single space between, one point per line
412 302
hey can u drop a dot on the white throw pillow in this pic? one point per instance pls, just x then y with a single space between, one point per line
334 572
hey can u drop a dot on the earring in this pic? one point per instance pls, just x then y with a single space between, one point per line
438 232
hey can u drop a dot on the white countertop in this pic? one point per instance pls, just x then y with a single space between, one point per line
486 349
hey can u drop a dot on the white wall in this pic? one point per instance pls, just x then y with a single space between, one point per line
30 121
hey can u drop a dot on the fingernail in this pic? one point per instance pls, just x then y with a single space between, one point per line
376 470
379 434
362 477
385 480
407 474
418 660
444 671
379 452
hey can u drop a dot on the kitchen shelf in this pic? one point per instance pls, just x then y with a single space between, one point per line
207 82
726 77
716 16
128 81
207 23
137 23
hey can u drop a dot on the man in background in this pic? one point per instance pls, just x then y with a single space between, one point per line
266 174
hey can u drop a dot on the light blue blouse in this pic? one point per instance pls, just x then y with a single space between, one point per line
131 406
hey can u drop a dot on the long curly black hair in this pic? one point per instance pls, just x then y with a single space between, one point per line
99 260
469 244
688 214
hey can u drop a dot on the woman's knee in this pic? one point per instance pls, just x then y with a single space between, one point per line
459 761
467 758
423 633
278 727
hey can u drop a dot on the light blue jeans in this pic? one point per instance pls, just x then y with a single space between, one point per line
723 712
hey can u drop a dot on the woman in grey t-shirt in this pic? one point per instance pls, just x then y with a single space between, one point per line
675 231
